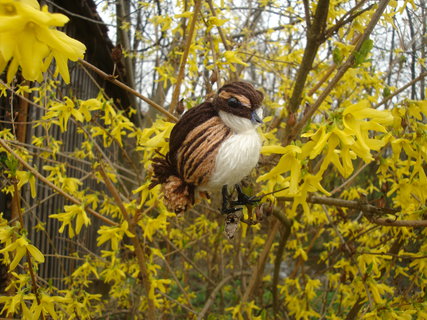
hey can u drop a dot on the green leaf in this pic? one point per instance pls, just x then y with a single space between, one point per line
12 165
361 55
386 92
337 55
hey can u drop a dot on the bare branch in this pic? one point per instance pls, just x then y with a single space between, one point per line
215 291
406 86
400 223
293 132
112 79
139 247
221 33
258 269
314 39
39 176
180 77
347 18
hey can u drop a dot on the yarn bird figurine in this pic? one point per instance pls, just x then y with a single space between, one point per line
212 146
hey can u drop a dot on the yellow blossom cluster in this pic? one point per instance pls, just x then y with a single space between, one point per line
340 142
29 39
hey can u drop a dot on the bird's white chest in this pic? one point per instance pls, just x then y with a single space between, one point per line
236 157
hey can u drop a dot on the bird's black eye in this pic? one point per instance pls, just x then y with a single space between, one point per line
234 103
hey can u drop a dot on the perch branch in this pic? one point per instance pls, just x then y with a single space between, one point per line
400 223
371 212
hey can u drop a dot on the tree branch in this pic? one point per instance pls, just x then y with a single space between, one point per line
139 247
215 291
347 18
180 77
400 223
258 269
293 132
406 86
112 79
287 224
368 209
221 33
314 39
39 176
371 212
35 287
307 15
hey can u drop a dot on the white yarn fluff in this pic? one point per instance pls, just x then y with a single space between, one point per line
238 154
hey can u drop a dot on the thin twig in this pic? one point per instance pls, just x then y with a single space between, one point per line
112 79
350 254
39 176
348 17
350 180
295 130
198 269
287 224
220 31
178 283
138 246
322 80
35 287
21 96
177 302
180 77
410 83
215 291
78 15
258 269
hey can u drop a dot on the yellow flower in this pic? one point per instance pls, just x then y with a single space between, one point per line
288 162
72 212
19 249
232 57
355 124
113 234
28 39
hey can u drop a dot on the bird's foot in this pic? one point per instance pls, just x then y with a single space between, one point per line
230 210
243 199
227 207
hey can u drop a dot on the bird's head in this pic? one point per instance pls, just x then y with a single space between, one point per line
239 105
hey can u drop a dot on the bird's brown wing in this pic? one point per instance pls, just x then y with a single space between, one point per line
190 120
194 143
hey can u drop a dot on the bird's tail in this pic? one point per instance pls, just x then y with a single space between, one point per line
178 195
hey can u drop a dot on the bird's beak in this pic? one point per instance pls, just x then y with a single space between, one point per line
255 118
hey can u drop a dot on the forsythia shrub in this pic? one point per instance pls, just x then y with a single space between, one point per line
344 200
